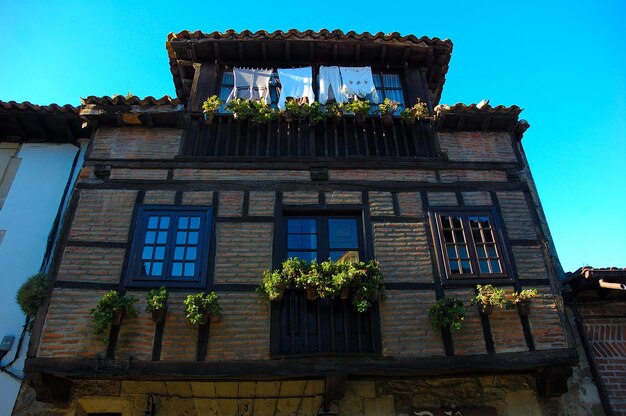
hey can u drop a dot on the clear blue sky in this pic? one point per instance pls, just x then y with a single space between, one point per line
564 62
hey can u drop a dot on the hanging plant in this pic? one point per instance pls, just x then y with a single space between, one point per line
489 297
522 300
201 307
241 108
209 107
387 109
448 312
360 108
156 303
412 114
31 295
334 112
110 310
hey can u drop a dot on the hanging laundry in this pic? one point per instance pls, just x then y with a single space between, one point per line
295 83
330 85
252 84
358 81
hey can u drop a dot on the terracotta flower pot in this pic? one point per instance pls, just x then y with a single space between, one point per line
311 293
485 309
158 315
524 307
387 119
118 316
208 118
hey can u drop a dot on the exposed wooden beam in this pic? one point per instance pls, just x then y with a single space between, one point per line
485 124
69 132
335 46
405 54
287 51
312 51
383 54
194 58
216 51
264 51
461 123
240 45
357 52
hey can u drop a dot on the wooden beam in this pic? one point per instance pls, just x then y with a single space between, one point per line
405 54
264 51
240 46
383 54
216 51
335 46
287 50
357 52
485 124
193 53
312 51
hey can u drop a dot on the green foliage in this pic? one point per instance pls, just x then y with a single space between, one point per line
334 110
525 295
304 111
201 306
241 108
411 114
211 104
257 111
489 295
103 313
32 293
447 312
328 278
358 107
388 106
156 299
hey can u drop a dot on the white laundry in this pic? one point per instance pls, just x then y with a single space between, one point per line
295 83
358 81
330 83
253 84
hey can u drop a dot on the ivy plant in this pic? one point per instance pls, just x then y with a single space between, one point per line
104 312
201 306
448 312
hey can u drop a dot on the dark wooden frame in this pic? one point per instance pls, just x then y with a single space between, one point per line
507 274
203 248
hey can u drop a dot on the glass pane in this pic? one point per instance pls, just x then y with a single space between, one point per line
306 226
463 252
474 222
164 223
179 253
177 269
484 267
193 238
466 267
342 233
153 222
183 223
491 251
488 236
445 222
478 238
181 237
495 266
350 255
147 253
447 235
302 241
159 253
459 236
189 269
162 237
484 222
194 223
304 255
456 222
157 268
454 267
481 251
150 236
451 252
145 268
191 253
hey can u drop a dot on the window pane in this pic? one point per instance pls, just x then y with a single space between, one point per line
463 252
342 233
157 268
451 252
164 223
181 237
466 267
162 237
447 235
481 251
456 222
484 267
177 269
302 241
189 269
491 251
194 223
159 253
458 235
193 238
488 236
495 266
304 255
191 253
153 222
350 255
179 253
183 223
454 267
145 268
147 253
306 226
150 237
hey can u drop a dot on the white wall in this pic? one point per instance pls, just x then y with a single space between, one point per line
27 218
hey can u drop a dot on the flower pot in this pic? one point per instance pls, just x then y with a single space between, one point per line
360 118
523 307
208 118
387 119
485 309
344 294
118 316
311 293
158 315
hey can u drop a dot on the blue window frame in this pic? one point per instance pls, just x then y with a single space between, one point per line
170 247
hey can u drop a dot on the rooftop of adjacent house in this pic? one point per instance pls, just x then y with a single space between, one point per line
606 281
295 47
26 122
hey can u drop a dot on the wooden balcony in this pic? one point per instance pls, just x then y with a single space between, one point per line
227 137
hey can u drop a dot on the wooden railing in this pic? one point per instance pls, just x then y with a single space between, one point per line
347 138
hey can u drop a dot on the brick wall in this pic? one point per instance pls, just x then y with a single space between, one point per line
135 143
103 215
477 146
244 250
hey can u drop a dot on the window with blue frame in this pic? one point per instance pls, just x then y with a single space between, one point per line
170 247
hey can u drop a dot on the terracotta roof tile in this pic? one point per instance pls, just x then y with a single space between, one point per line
134 100
28 106
473 109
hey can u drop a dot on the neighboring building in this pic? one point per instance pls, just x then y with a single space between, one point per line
597 300
40 153
424 199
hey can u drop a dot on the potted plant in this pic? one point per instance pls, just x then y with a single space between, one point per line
411 114
262 113
343 279
294 110
209 107
157 303
522 300
110 310
275 282
360 108
315 113
368 286
241 108
489 297
32 293
201 307
448 312
386 109
334 112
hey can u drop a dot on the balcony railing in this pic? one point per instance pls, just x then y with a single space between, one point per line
347 138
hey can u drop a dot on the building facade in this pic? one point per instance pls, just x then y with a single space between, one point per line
41 151
163 199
